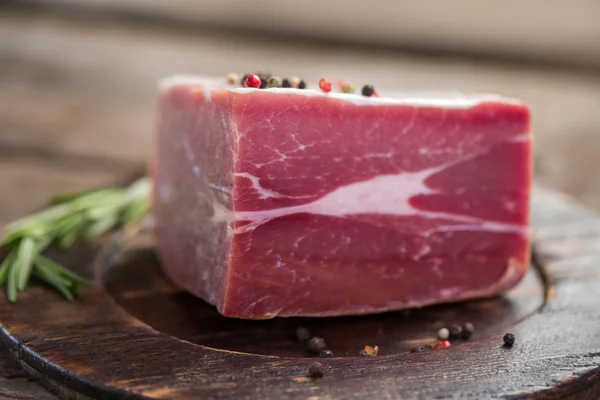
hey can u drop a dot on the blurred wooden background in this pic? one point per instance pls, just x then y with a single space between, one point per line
566 32
78 82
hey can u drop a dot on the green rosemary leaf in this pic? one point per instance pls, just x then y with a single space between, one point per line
68 197
49 273
36 232
101 226
106 210
68 238
60 284
98 198
26 254
60 270
139 204
67 224
39 218
135 212
85 215
42 244
140 189
70 230
10 239
11 284
5 266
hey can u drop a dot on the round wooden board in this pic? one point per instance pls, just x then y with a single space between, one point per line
136 336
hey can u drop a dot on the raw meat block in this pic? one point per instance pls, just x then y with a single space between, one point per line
288 202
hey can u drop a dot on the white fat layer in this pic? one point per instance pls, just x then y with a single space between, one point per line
452 99
264 192
384 195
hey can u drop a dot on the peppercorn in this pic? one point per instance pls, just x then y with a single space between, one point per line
286 83
253 81
302 333
302 84
263 75
455 331
243 80
316 345
369 351
442 344
325 85
348 88
419 349
274 82
295 81
443 334
316 370
467 330
326 354
368 90
509 340
232 78
263 83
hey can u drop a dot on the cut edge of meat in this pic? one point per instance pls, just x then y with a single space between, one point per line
200 279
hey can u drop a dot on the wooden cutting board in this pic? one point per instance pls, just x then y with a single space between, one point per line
136 336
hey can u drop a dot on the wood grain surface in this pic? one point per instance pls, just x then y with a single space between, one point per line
96 348
77 104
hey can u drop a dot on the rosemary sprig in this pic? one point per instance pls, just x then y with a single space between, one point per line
84 216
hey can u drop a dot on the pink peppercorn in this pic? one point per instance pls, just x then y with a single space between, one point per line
442 344
325 85
252 81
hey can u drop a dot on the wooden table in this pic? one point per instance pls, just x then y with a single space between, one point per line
77 103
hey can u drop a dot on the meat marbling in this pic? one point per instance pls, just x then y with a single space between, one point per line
288 202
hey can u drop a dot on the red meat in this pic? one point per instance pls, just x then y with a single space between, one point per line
289 202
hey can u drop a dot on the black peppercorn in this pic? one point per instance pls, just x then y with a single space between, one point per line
263 83
509 340
286 83
302 85
316 370
368 90
467 330
264 75
326 354
243 80
455 331
316 345
302 333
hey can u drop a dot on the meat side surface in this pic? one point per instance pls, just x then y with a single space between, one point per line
288 202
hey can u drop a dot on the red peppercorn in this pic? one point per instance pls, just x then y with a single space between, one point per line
325 85
375 94
252 81
442 344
